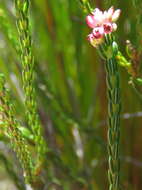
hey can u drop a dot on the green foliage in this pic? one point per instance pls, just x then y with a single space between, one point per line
12 130
27 60
114 107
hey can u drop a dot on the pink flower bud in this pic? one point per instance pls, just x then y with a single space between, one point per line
93 41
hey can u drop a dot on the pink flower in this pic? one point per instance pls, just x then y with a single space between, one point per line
95 19
94 41
90 21
102 22
98 32
108 28
90 37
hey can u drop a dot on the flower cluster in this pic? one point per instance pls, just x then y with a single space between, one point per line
102 23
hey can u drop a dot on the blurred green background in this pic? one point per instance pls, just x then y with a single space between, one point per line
71 93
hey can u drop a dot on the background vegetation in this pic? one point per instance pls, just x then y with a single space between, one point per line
71 95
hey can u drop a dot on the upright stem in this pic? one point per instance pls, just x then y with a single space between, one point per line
27 59
113 92
12 130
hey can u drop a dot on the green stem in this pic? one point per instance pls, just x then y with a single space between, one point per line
113 91
86 5
12 130
27 59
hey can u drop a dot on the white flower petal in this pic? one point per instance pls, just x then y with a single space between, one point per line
114 27
116 15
